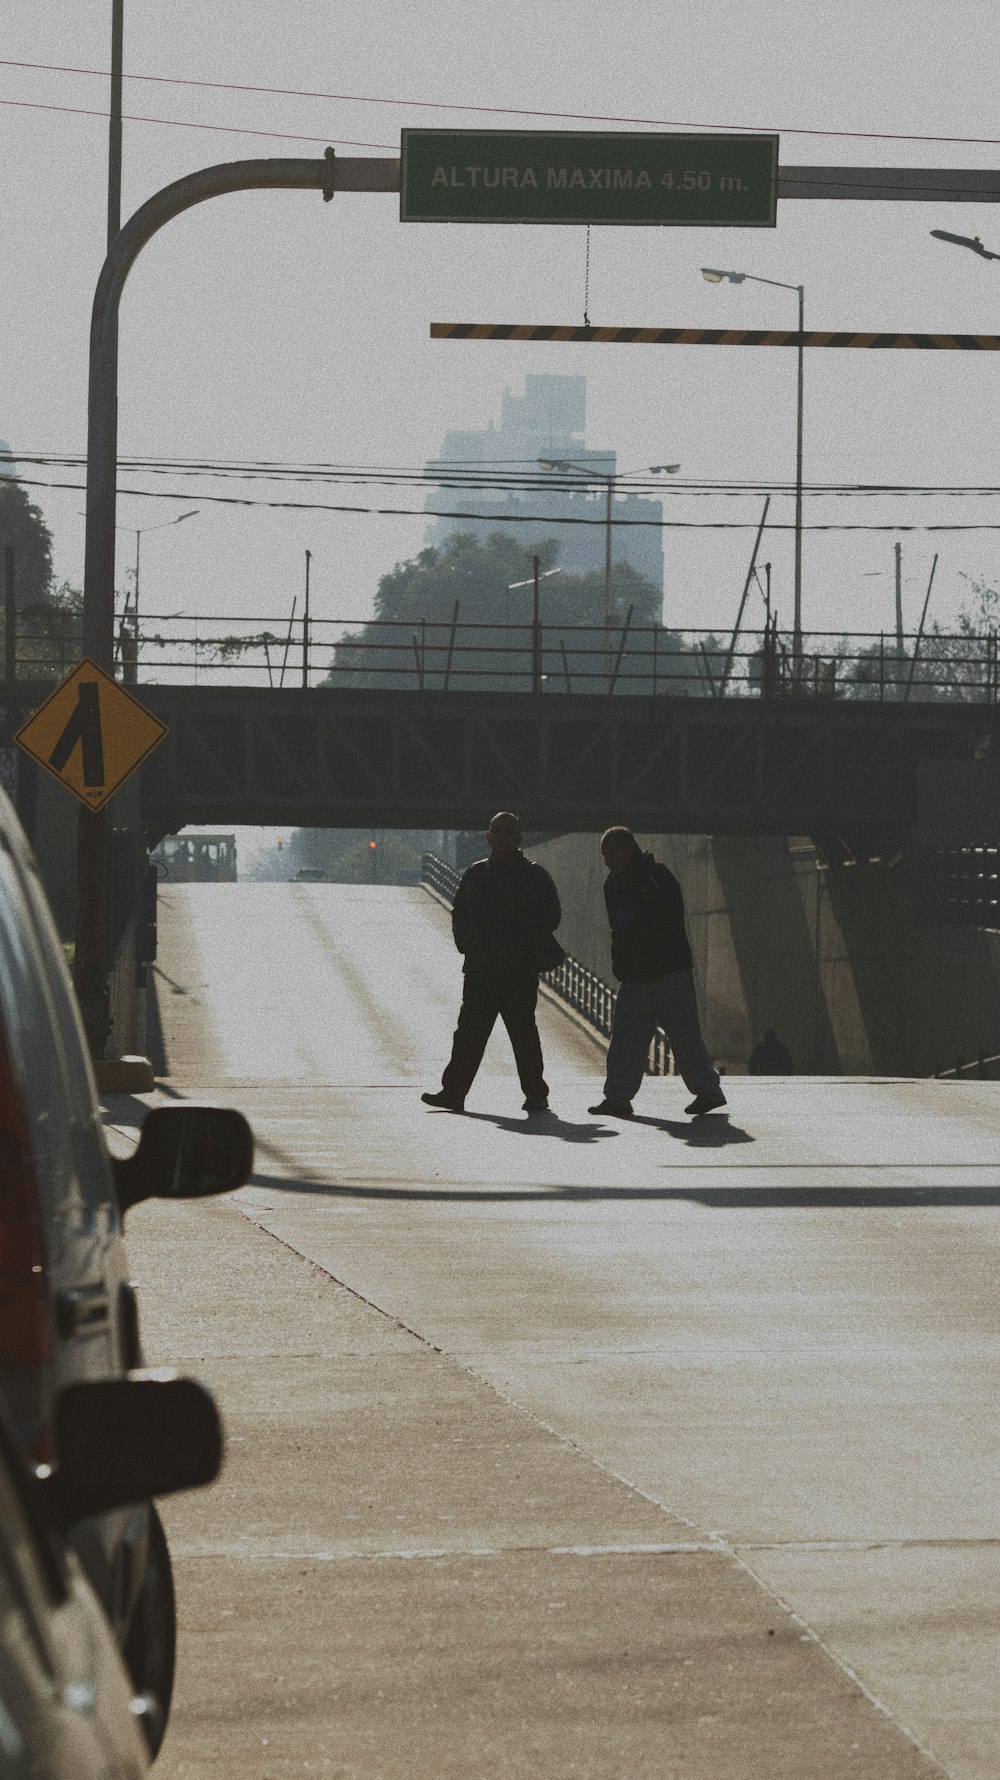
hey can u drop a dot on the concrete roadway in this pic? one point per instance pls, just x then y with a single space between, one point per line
564 1447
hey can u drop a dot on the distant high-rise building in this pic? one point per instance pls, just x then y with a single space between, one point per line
547 421
6 460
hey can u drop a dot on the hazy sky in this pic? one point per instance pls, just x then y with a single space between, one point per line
275 326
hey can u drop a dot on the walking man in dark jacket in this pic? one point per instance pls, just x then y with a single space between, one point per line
504 919
651 958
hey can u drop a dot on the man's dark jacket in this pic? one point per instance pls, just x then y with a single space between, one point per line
505 914
646 912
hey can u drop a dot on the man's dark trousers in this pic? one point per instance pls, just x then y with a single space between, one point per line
512 995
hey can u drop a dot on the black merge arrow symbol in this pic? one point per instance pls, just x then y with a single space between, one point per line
84 726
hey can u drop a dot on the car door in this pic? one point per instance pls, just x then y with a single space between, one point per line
78 1261
65 1702
84 1254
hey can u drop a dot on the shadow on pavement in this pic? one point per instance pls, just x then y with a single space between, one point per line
129 1109
122 1109
835 1198
543 1125
765 1198
711 1133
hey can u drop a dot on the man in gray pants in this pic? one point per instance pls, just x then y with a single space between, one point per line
651 958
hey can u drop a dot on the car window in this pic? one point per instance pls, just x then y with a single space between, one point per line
77 1076
42 1038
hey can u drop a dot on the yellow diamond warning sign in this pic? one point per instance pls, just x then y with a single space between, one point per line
90 734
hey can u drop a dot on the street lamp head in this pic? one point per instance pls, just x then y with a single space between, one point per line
971 241
161 524
665 469
511 585
712 275
555 463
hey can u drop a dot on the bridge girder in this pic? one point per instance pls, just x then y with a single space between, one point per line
354 757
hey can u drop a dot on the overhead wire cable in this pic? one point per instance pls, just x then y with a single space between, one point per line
500 518
177 123
498 110
840 176
408 476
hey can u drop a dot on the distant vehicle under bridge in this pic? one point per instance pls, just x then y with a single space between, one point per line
196 858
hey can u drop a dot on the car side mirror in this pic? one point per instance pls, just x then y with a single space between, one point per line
186 1152
123 1440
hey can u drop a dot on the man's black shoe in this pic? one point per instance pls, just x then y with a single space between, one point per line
619 1109
444 1101
705 1103
534 1104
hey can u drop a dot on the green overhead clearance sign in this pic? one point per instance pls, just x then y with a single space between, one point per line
541 176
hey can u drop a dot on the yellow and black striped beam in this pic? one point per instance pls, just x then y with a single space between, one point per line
471 330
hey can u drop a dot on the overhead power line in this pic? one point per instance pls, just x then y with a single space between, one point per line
517 518
587 117
176 123
503 482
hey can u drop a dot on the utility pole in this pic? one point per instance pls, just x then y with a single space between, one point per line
115 127
92 828
536 631
305 626
899 618
10 629
607 571
797 607
920 629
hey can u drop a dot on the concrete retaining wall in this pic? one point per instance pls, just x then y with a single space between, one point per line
837 961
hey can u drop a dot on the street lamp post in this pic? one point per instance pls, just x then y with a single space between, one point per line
536 617
139 530
712 275
192 513
609 478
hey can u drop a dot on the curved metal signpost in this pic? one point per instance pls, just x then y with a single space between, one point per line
327 176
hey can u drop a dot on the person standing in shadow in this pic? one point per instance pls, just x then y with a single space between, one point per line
504 919
770 1056
651 958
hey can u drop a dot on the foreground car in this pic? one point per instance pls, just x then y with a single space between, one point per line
67 1311
68 1708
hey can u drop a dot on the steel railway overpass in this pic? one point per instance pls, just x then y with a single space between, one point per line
351 757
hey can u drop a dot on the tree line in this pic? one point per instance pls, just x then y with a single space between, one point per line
462 615
48 618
